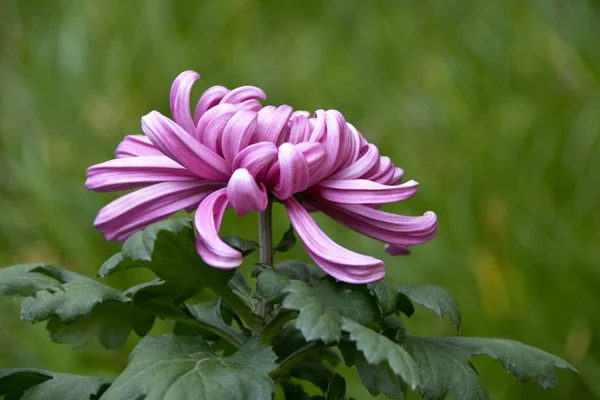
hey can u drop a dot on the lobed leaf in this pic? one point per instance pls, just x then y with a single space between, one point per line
445 364
167 248
172 367
34 384
76 308
317 321
391 297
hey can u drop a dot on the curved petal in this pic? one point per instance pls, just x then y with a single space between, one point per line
244 194
135 146
243 93
208 218
360 167
294 174
337 143
394 250
384 172
315 155
397 177
300 129
180 100
362 191
210 98
134 172
175 143
256 158
271 122
380 225
238 133
337 261
300 113
252 105
135 211
211 124
319 129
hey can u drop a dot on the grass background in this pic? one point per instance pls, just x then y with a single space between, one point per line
494 107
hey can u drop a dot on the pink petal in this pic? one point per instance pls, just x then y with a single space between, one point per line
290 174
180 100
177 144
210 98
134 172
211 125
135 146
394 250
238 133
244 93
362 191
337 143
300 113
208 218
390 228
397 177
271 122
135 211
384 172
367 162
244 194
319 130
300 130
252 105
337 261
315 155
256 158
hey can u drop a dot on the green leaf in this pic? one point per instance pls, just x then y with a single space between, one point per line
84 308
377 348
437 299
158 298
209 314
171 367
158 288
313 370
293 391
33 384
27 279
167 248
351 301
298 270
379 378
446 366
244 246
315 321
270 285
287 242
336 390
239 285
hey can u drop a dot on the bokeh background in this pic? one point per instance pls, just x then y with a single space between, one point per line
494 107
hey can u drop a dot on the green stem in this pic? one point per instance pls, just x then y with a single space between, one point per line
265 234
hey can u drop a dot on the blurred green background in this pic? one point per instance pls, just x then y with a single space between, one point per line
494 107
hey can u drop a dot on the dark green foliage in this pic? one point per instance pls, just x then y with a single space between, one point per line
33 384
239 344
178 367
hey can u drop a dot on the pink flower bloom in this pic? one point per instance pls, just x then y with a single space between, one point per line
233 152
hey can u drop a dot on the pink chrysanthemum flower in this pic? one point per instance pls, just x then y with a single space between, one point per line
233 152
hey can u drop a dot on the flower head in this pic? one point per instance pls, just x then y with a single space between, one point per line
234 152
